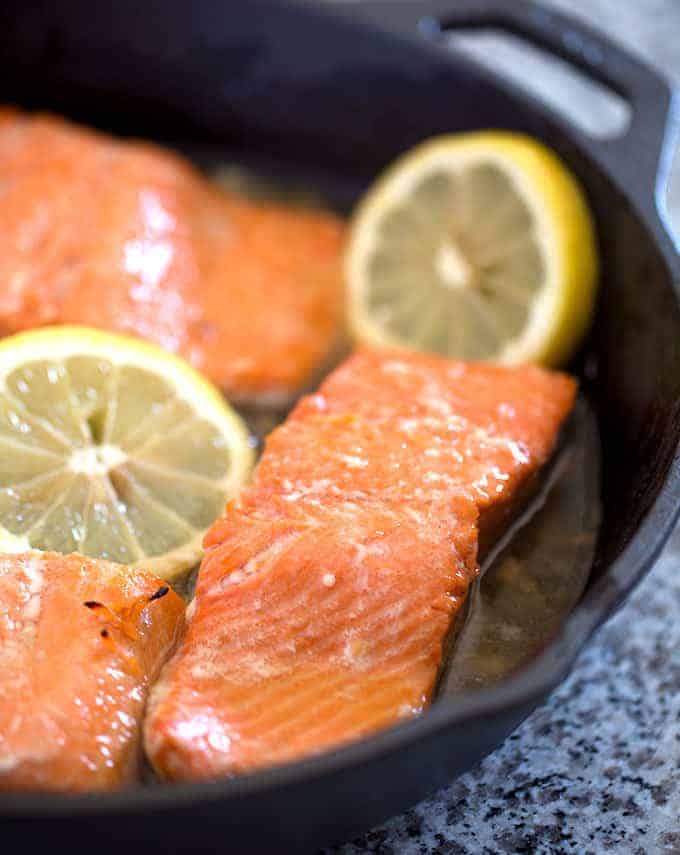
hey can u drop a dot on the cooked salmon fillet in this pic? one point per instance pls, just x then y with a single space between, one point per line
326 594
80 643
129 237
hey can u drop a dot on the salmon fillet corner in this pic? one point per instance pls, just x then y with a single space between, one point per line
80 643
327 592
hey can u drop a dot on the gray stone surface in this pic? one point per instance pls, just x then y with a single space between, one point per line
597 769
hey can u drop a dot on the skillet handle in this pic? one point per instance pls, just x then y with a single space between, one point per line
639 159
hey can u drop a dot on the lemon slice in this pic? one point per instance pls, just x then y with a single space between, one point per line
113 448
476 246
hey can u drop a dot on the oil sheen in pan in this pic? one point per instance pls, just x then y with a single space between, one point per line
538 572
536 575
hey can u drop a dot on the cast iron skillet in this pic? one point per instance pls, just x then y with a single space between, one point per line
342 92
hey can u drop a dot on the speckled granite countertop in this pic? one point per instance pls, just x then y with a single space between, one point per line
597 769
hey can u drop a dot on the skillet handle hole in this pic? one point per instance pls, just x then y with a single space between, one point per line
590 105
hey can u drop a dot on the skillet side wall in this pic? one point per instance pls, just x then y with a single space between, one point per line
294 818
342 102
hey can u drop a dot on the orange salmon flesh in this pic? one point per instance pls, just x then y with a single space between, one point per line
80 643
129 237
327 592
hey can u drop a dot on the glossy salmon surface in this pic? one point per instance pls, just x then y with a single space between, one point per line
129 237
80 643
415 427
326 594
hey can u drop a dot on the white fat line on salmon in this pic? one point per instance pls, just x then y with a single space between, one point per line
33 571
259 563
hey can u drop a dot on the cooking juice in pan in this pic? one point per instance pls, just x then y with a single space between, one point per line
537 574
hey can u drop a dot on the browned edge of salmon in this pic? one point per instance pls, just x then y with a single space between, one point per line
81 641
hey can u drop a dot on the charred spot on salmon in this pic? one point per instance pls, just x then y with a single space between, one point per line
160 593
104 611
125 625
126 620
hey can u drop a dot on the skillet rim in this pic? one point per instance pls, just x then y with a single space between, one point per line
530 684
